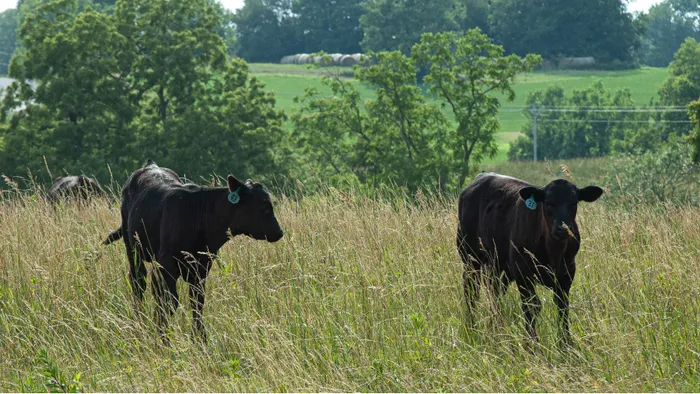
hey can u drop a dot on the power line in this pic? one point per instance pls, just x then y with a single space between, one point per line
545 120
597 107
613 110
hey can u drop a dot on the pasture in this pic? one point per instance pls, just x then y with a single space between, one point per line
362 294
289 80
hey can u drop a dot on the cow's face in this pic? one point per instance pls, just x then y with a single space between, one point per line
254 214
558 201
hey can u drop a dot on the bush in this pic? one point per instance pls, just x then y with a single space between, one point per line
669 175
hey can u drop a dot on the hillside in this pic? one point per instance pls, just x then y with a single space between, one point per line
289 81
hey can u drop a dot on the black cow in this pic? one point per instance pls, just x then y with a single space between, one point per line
78 187
522 234
182 226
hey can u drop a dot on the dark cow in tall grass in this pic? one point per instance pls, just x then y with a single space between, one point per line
523 234
74 187
183 226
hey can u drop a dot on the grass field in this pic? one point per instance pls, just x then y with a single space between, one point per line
289 81
360 295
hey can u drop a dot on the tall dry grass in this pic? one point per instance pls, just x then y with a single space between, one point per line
360 295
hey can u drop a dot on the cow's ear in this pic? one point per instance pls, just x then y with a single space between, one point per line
234 184
531 191
589 193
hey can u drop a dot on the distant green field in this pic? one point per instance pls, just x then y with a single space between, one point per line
289 81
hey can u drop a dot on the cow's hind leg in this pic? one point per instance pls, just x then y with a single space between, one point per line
165 293
471 277
137 274
531 306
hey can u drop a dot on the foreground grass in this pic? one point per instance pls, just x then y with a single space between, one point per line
360 295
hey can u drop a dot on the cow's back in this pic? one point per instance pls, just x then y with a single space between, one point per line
487 205
143 197
79 186
487 211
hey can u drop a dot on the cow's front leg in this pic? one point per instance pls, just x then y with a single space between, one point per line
531 305
197 288
561 293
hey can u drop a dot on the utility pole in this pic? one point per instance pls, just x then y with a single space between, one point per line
535 112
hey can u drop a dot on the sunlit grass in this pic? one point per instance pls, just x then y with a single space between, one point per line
360 295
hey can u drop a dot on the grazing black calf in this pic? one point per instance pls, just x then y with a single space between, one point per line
522 234
182 226
73 187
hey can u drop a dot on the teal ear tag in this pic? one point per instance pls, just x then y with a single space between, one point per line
530 203
234 197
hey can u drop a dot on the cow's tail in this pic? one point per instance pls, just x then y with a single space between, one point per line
113 236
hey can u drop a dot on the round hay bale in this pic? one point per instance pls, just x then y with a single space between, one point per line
303 59
347 61
358 58
289 59
335 57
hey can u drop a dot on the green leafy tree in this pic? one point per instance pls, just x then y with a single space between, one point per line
8 38
582 126
694 114
599 28
477 15
232 126
330 25
151 80
227 27
267 30
683 84
466 73
681 87
394 137
666 29
80 105
398 24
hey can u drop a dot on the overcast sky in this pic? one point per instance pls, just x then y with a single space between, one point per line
635 5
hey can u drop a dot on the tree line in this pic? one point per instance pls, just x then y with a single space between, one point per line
267 30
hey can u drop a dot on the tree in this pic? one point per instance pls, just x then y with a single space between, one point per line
599 28
683 84
694 114
8 38
477 15
681 87
465 73
81 105
267 30
233 126
666 28
330 25
394 137
151 80
398 24
586 129
227 27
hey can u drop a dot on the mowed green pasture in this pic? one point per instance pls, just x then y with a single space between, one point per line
289 81
362 294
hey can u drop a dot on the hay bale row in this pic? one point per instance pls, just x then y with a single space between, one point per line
337 59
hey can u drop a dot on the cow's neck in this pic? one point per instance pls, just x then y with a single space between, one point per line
216 213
